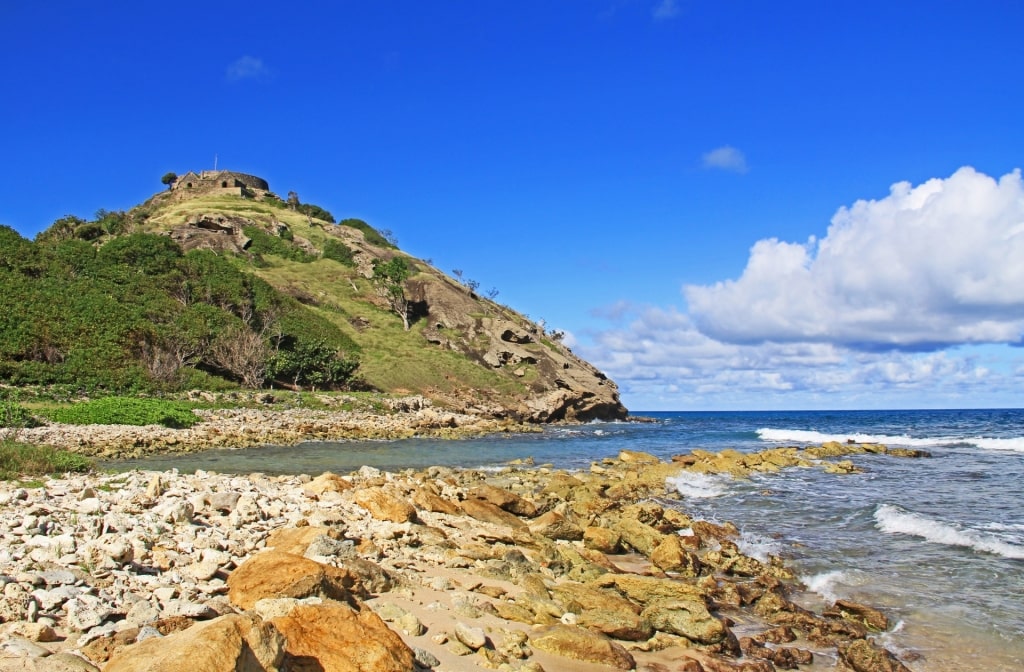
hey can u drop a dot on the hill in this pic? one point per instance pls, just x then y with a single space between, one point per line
218 283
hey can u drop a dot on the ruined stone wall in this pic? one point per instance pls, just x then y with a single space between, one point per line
225 181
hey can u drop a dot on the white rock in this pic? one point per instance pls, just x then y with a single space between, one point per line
90 506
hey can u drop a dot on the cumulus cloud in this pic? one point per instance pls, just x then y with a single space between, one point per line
659 356
666 9
924 268
247 67
725 158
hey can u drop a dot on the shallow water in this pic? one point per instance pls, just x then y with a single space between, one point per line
939 542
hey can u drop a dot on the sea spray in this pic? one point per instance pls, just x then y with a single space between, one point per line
694 485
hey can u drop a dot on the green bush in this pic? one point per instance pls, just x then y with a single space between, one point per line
339 252
264 243
371 234
127 411
315 211
23 459
13 415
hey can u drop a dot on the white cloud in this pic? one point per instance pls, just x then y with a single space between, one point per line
725 158
247 67
925 267
666 9
660 359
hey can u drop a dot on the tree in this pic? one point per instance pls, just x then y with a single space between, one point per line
312 362
169 179
243 353
293 200
389 280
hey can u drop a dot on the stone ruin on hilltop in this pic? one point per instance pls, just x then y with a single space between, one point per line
219 182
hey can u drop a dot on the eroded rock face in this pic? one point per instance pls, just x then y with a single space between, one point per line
338 637
582 644
233 643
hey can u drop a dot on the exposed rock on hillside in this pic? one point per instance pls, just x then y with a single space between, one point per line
527 374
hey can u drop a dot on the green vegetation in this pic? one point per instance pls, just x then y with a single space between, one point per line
264 243
315 211
169 179
339 252
19 459
137 314
389 280
15 416
115 307
371 234
127 411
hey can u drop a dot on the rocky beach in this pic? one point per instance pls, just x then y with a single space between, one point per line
519 568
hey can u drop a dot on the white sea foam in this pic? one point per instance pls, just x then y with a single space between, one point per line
809 436
699 486
894 520
824 584
757 547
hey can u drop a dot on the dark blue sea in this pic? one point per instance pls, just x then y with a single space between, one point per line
938 542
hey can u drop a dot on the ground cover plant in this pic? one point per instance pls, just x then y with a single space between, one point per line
127 411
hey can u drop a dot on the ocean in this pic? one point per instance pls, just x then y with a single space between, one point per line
938 543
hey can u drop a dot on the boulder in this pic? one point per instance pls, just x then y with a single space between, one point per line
336 637
503 499
273 573
672 555
296 540
861 613
639 536
489 513
233 643
382 505
554 525
686 618
860 655
326 482
602 539
646 590
581 644
428 500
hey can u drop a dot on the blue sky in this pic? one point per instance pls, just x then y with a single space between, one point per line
700 193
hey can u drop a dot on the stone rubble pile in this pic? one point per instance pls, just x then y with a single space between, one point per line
524 569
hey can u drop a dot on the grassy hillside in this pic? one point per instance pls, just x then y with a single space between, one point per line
220 291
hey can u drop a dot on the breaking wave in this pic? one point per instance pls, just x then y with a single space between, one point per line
699 486
894 520
812 437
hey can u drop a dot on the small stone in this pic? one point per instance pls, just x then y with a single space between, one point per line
410 625
155 488
19 646
35 632
474 638
425 658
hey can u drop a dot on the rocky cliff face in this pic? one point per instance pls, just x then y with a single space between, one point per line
508 367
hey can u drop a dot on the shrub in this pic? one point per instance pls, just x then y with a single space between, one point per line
264 243
315 211
13 415
371 234
339 252
127 411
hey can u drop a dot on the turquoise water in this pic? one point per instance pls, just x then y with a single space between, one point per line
938 542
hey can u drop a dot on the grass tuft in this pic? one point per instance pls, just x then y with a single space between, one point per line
19 459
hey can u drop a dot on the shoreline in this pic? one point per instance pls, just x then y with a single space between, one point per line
524 567
243 427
